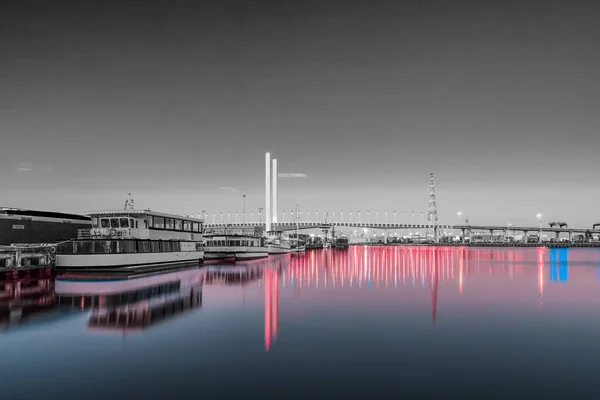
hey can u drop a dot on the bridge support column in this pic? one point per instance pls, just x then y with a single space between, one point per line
385 236
436 238
462 237
570 236
492 235
505 235
557 236
525 237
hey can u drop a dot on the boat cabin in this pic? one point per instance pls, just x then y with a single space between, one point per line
234 241
142 224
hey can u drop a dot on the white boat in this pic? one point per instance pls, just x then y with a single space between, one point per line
239 247
133 240
280 246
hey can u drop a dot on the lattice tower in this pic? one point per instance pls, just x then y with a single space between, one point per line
432 215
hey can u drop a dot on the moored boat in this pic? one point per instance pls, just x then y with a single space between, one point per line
280 246
133 240
342 243
21 226
232 246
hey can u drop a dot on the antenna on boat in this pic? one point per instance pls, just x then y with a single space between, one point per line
129 203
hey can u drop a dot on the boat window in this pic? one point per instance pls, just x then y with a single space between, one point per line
103 247
155 246
94 222
136 224
187 226
178 225
148 221
159 222
82 247
166 246
126 246
175 246
143 247
145 224
124 223
195 227
114 222
169 223
131 222
104 223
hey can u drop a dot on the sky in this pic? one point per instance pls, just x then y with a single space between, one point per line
177 102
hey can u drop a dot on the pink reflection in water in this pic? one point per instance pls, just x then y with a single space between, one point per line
459 279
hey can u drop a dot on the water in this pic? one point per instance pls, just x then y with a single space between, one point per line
370 321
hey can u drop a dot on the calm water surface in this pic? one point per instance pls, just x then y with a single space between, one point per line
378 321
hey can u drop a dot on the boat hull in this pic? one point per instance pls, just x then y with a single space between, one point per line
279 250
14 229
137 261
234 252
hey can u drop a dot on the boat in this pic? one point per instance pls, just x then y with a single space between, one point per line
22 226
296 245
233 246
280 245
132 240
132 304
342 243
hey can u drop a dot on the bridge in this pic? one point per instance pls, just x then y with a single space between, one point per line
289 226
272 223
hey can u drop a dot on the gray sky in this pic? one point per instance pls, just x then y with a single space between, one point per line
499 100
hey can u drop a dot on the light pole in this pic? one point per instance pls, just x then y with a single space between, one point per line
385 220
412 221
539 216
394 216
252 216
368 217
260 214
244 197
350 216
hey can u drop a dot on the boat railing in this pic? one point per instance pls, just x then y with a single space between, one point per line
120 233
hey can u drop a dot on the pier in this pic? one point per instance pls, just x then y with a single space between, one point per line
26 257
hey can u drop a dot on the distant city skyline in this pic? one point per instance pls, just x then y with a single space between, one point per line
359 101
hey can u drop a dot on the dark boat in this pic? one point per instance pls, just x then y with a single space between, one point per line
30 226
341 243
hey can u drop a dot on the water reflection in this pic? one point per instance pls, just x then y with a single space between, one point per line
24 298
133 304
406 313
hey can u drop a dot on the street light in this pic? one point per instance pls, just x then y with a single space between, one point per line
260 214
244 196
539 216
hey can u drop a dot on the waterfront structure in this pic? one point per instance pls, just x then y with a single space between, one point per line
133 240
21 226
268 216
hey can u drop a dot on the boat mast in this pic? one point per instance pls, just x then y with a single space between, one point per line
297 228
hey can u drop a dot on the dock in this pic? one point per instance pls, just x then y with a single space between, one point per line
26 257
